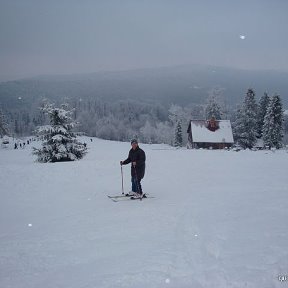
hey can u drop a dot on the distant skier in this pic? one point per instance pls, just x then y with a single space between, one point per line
137 159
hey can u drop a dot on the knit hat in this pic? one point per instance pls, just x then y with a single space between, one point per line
134 141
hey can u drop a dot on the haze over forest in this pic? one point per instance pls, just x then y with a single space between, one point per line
181 85
120 105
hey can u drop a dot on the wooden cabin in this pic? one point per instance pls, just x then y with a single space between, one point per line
210 134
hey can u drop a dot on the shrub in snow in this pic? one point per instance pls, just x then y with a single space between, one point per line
60 143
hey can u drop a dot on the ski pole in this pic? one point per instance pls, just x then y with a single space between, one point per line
122 179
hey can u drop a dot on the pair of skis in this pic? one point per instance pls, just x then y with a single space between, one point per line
126 197
134 196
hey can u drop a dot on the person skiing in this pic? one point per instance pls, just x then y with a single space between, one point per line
137 159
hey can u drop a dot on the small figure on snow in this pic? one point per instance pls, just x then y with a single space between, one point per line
137 159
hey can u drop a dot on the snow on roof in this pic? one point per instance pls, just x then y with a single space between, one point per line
200 132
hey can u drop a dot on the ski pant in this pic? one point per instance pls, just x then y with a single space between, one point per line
136 185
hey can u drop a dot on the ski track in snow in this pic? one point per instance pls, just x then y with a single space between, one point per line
219 219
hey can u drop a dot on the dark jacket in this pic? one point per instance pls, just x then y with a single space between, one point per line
138 156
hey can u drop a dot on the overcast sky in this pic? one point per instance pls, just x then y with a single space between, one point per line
78 36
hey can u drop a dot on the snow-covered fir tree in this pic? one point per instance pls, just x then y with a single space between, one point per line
4 130
60 143
178 141
262 109
178 116
285 127
213 108
273 123
245 126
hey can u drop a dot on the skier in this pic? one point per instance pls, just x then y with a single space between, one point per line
137 159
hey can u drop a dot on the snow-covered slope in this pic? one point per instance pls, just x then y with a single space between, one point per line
219 219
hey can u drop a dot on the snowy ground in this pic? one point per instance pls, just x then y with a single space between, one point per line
219 219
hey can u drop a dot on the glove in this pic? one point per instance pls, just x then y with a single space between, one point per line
121 163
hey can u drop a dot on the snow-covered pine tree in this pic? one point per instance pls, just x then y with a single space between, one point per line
285 127
273 123
237 125
4 130
178 141
213 108
245 126
60 143
262 109
178 115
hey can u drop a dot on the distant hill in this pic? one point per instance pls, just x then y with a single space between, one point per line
179 85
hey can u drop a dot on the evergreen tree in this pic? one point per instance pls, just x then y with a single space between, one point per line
245 126
238 126
178 141
213 108
60 142
4 130
273 123
262 109
285 123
